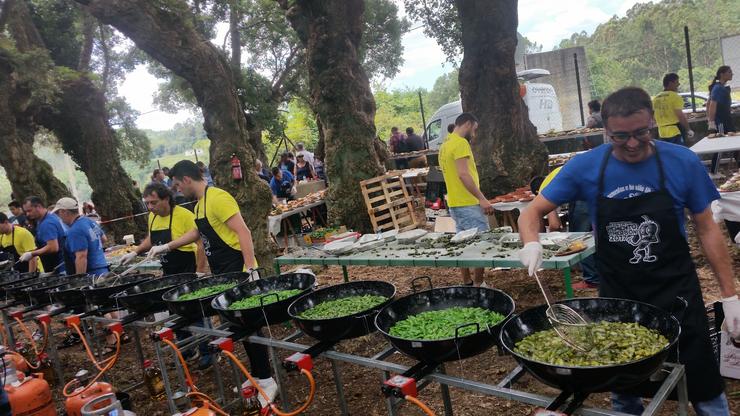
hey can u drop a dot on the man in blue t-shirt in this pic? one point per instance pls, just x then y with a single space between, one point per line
281 183
50 236
637 190
83 242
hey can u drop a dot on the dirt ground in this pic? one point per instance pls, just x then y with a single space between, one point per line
361 385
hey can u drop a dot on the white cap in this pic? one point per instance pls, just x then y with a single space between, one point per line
66 203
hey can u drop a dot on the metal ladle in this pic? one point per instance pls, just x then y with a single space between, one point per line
570 326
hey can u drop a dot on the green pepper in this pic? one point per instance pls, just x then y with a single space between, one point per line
207 291
349 305
441 324
267 298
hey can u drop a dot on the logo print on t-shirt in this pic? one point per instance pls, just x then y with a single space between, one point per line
641 236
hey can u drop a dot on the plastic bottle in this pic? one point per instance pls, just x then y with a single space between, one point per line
250 402
153 380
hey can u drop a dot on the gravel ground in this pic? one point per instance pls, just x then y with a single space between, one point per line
362 386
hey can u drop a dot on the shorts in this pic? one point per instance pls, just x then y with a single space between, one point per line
470 216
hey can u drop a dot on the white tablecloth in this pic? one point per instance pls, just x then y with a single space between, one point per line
717 145
273 221
510 206
727 208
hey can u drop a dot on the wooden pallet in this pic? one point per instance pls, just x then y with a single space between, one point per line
388 203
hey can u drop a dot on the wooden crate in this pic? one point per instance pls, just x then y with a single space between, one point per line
388 203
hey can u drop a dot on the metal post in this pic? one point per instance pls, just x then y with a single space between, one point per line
568 283
9 329
345 274
216 369
340 387
445 393
578 86
195 152
165 378
158 165
276 368
54 356
389 400
691 68
423 122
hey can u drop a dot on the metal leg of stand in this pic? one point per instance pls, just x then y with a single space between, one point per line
389 400
92 339
278 375
9 330
216 368
54 356
139 351
165 378
340 387
683 397
445 393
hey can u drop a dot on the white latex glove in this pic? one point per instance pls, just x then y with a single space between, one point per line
690 134
711 125
737 239
27 256
731 307
531 256
159 250
128 258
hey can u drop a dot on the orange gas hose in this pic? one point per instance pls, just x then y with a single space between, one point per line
110 362
274 408
188 379
99 365
420 405
29 335
28 363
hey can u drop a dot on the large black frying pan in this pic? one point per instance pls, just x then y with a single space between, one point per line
70 294
38 294
15 289
255 318
146 298
450 349
594 379
345 327
197 309
99 294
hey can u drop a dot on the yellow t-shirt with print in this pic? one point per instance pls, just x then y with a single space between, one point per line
454 148
182 221
220 206
23 242
665 105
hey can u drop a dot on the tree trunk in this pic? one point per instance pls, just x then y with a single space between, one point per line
28 175
507 150
236 39
171 39
88 36
340 95
80 122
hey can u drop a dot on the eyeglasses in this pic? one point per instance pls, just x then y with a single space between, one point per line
642 135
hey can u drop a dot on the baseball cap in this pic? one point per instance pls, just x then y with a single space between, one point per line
66 203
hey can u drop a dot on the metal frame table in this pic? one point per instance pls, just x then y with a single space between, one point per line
717 145
479 254
282 219
675 380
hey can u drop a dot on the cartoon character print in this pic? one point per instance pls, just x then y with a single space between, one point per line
647 235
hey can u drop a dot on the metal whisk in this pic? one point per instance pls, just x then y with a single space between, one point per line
570 326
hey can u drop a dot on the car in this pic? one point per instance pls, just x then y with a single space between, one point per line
541 99
701 101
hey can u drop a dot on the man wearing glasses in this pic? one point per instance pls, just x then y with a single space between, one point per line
637 189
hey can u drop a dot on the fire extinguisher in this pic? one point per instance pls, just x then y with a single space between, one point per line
236 168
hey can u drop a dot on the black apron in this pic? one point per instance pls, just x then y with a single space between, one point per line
642 255
175 261
51 261
21 267
221 257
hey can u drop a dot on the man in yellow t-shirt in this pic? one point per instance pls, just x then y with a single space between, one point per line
228 245
467 204
16 240
669 114
168 222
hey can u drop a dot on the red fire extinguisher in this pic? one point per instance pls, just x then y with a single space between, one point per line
236 168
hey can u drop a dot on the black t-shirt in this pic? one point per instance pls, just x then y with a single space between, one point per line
414 143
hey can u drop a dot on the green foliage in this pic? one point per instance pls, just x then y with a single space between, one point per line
398 108
648 42
446 89
381 50
440 23
34 70
58 23
133 144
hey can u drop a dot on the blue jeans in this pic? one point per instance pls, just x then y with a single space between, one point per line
470 216
580 221
675 139
633 405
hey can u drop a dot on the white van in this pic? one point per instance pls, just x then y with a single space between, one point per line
544 109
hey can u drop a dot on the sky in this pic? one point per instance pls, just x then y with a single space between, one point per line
543 21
